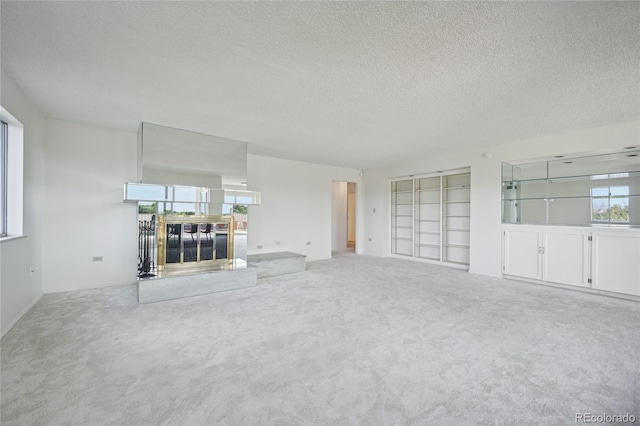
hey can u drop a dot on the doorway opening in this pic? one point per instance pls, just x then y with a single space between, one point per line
343 217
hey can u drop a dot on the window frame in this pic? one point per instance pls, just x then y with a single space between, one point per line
13 170
4 154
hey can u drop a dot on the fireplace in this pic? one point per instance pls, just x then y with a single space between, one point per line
191 243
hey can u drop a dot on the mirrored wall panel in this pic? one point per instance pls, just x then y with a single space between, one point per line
599 189
180 157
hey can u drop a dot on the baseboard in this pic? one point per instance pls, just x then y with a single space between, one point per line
613 294
6 328
453 265
105 285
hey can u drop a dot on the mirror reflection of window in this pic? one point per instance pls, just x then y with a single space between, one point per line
185 193
610 204
187 209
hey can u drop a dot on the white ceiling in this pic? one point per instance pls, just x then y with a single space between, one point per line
356 84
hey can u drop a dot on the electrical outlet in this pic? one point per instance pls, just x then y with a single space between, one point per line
98 258
31 271
308 243
369 239
259 247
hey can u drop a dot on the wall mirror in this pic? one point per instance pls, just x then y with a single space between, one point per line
181 157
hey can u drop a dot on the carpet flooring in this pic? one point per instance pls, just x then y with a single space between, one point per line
354 340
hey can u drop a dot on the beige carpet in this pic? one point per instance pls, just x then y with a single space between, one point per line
354 340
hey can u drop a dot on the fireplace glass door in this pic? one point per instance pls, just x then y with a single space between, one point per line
194 241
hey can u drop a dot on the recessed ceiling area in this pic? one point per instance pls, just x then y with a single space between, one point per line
354 84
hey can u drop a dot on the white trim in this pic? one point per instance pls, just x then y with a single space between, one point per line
433 262
105 285
11 238
613 294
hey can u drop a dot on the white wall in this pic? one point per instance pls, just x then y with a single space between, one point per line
296 206
85 170
19 288
485 253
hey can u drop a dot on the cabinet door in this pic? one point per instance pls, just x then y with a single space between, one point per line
566 257
521 253
616 261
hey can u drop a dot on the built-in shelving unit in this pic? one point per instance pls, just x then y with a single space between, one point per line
427 236
430 217
402 217
600 189
573 220
457 214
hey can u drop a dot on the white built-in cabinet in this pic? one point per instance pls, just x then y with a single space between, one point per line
605 259
430 217
574 220
549 254
616 261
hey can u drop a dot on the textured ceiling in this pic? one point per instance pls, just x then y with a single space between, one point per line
356 84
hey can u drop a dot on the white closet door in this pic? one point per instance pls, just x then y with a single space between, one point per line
616 261
522 253
566 257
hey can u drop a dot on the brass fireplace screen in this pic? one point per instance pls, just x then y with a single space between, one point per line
186 242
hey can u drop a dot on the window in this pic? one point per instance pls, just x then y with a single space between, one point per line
11 176
4 144
610 204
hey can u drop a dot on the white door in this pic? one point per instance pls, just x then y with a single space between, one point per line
616 261
566 257
522 253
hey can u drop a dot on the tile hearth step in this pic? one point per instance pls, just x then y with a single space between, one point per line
278 263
